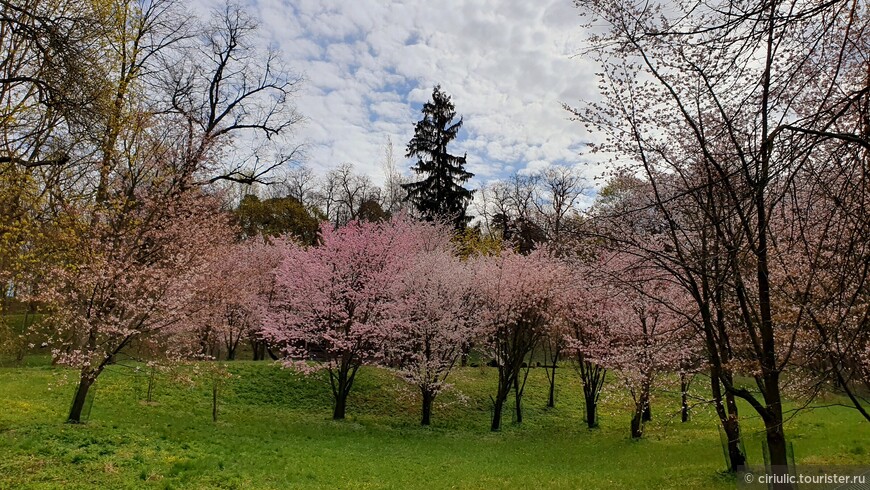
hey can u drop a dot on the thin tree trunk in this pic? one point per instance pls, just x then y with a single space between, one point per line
639 418
86 380
504 387
729 417
550 370
497 406
551 400
637 424
593 377
428 398
341 383
591 408
684 398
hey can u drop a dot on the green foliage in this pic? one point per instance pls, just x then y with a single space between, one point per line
472 242
275 431
370 210
276 217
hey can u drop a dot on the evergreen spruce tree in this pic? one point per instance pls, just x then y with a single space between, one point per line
439 195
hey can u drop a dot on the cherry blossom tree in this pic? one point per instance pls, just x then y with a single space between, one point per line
331 300
645 342
722 105
583 310
135 281
517 295
431 319
233 296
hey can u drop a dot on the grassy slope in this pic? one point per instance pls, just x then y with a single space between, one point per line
274 432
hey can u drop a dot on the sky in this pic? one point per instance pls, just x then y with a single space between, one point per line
369 65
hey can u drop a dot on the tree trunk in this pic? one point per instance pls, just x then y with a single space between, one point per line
591 409
641 409
776 444
75 411
729 417
593 377
504 389
735 452
551 400
428 398
637 424
259 351
684 397
518 398
647 412
684 408
340 408
497 405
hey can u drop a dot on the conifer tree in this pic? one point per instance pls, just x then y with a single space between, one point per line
439 195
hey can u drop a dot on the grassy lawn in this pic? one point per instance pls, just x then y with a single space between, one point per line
274 431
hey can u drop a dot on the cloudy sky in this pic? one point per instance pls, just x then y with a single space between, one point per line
371 64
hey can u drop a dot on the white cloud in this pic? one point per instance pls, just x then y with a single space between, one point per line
369 64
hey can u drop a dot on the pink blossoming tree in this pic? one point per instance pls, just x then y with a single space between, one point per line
331 300
517 295
431 319
135 281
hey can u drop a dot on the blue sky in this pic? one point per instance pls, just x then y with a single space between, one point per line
370 64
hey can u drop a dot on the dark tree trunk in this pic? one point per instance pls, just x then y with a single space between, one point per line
593 377
550 371
640 410
518 398
497 406
735 452
504 388
340 409
75 412
591 408
428 398
637 424
259 351
647 412
551 398
684 408
776 443
729 417
684 397
341 382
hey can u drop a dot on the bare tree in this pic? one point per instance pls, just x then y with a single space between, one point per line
225 86
559 188
393 193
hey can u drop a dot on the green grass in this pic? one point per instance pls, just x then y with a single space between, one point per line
275 431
